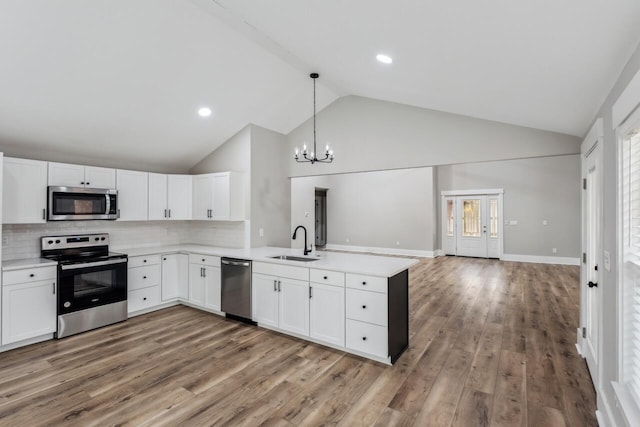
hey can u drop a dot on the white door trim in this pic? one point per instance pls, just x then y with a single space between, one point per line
472 192
593 140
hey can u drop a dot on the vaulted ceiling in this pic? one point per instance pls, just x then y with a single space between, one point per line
116 78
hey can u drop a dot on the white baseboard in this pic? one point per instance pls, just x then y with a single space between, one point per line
384 251
541 259
438 252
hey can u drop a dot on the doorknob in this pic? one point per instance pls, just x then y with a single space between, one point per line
592 284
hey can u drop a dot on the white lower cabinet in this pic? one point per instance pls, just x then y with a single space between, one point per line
144 279
281 303
175 277
29 307
205 281
326 313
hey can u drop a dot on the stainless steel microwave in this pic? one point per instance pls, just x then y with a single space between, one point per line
79 203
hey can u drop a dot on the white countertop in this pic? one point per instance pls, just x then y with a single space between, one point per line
373 265
19 264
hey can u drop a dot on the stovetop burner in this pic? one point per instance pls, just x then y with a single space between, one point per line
76 249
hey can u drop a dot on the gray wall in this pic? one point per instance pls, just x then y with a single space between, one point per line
371 209
368 134
270 195
610 286
544 188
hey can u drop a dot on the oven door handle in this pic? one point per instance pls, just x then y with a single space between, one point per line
93 264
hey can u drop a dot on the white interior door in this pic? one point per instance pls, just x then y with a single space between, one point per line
590 270
471 225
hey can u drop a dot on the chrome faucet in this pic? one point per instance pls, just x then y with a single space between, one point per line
306 251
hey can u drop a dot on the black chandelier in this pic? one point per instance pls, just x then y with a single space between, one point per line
312 157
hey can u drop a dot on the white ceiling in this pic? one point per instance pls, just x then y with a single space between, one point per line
117 79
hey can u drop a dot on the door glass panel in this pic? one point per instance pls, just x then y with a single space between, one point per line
94 283
450 218
493 216
471 218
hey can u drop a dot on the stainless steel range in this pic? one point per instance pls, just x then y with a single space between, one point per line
92 282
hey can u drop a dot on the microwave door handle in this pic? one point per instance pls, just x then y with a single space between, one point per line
108 204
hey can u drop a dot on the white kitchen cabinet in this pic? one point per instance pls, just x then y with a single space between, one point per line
28 308
24 195
175 276
219 196
265 299
133 194
205 281
144 280
69 175
202 197
170 196
327 313
281 302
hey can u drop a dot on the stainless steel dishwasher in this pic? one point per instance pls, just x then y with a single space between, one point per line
236 288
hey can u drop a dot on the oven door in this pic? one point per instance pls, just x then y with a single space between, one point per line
91 284
77 203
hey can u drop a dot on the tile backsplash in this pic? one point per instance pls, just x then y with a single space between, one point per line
23 240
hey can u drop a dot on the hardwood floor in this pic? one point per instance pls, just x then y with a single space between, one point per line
491 343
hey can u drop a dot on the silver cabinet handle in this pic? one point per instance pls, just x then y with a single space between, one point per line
44 213
279 288
54 288
204 272
165 213
201 272
310 292
275 289
169 213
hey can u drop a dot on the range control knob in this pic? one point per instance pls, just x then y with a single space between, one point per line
67 304
102 238
50 242
57 241
97 238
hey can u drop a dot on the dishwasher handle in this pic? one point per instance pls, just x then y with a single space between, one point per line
235 263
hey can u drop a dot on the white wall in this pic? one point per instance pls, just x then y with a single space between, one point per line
270 195
392 209
537 189
368 134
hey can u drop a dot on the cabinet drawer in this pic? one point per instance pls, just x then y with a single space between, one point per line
139 261
367 338
326 276
367 306
28 275
288 271
140 299
143 277
213 261
369 283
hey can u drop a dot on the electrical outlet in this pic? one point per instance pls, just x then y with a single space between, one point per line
554 250
261 232
513 222
306 214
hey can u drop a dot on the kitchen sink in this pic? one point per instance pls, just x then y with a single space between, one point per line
294 258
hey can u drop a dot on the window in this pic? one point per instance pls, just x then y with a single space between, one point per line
493 218
471 218
629 183
450 218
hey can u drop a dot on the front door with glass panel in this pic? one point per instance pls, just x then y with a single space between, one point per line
471 225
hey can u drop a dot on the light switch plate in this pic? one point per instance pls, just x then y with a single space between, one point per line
513 222
607 261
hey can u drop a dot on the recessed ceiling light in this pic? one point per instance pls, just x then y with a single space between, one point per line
204 112
384 58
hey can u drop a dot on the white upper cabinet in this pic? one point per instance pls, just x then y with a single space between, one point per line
24 196
202 197
170 196
219 196
157 196
133 194
179 191
68 175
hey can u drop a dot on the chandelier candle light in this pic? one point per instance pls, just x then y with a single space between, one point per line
312 157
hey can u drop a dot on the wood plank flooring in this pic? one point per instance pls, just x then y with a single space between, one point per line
491 344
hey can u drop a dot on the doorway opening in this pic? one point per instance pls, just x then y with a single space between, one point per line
321 218
472 223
